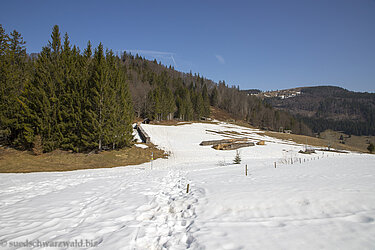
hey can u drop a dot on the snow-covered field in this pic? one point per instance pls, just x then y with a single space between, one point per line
322 203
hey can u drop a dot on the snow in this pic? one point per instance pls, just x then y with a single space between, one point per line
141 145
322 203
136 136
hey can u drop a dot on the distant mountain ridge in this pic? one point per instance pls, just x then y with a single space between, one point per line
327 107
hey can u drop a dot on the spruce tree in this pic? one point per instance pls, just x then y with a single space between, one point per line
94 134
54 87
188 105
110 102
86 137
4 69
124 133
3 41
214 97
35 104
206 100
198 104
14 75
237 158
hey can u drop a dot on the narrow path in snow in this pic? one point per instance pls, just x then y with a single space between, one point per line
168 220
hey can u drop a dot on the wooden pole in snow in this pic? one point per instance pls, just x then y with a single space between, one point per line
152 158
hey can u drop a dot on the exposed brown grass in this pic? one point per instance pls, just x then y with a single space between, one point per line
216 113
318 142
359 142
220 114
171 123
14 161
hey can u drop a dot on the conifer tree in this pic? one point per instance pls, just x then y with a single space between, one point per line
237 158
88 51
184 104
71 95
206 100
4 68
198 104
124 111
110 102
3 41
54 87
35 104
214 97
13 74
93 117
86 137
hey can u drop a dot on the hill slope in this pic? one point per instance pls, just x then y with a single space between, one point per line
328 107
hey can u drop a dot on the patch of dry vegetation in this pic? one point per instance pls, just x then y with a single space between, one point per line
359 142
170 123
221 115
319 142
14 161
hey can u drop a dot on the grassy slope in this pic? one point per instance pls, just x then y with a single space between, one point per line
356 144
14 161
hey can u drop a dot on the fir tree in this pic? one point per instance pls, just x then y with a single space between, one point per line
14 75
214 97
93 134
4 71
237 158
198 104
206 100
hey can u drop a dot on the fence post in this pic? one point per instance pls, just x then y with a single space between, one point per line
187 188
275 164
246 170
152 158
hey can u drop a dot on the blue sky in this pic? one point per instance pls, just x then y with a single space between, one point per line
265 44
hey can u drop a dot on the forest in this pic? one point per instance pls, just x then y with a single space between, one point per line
330 107
65 98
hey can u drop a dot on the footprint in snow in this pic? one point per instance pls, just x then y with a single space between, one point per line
360 219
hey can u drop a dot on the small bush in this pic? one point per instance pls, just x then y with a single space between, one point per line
370 148
237 159
38 145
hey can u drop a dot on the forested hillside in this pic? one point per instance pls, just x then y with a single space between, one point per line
82 100
63 99
160 92
328 107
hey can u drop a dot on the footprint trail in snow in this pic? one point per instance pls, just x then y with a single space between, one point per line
167 222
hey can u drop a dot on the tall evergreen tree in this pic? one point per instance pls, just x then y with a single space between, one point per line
206 100
4 70
214 97
94 108
14 74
